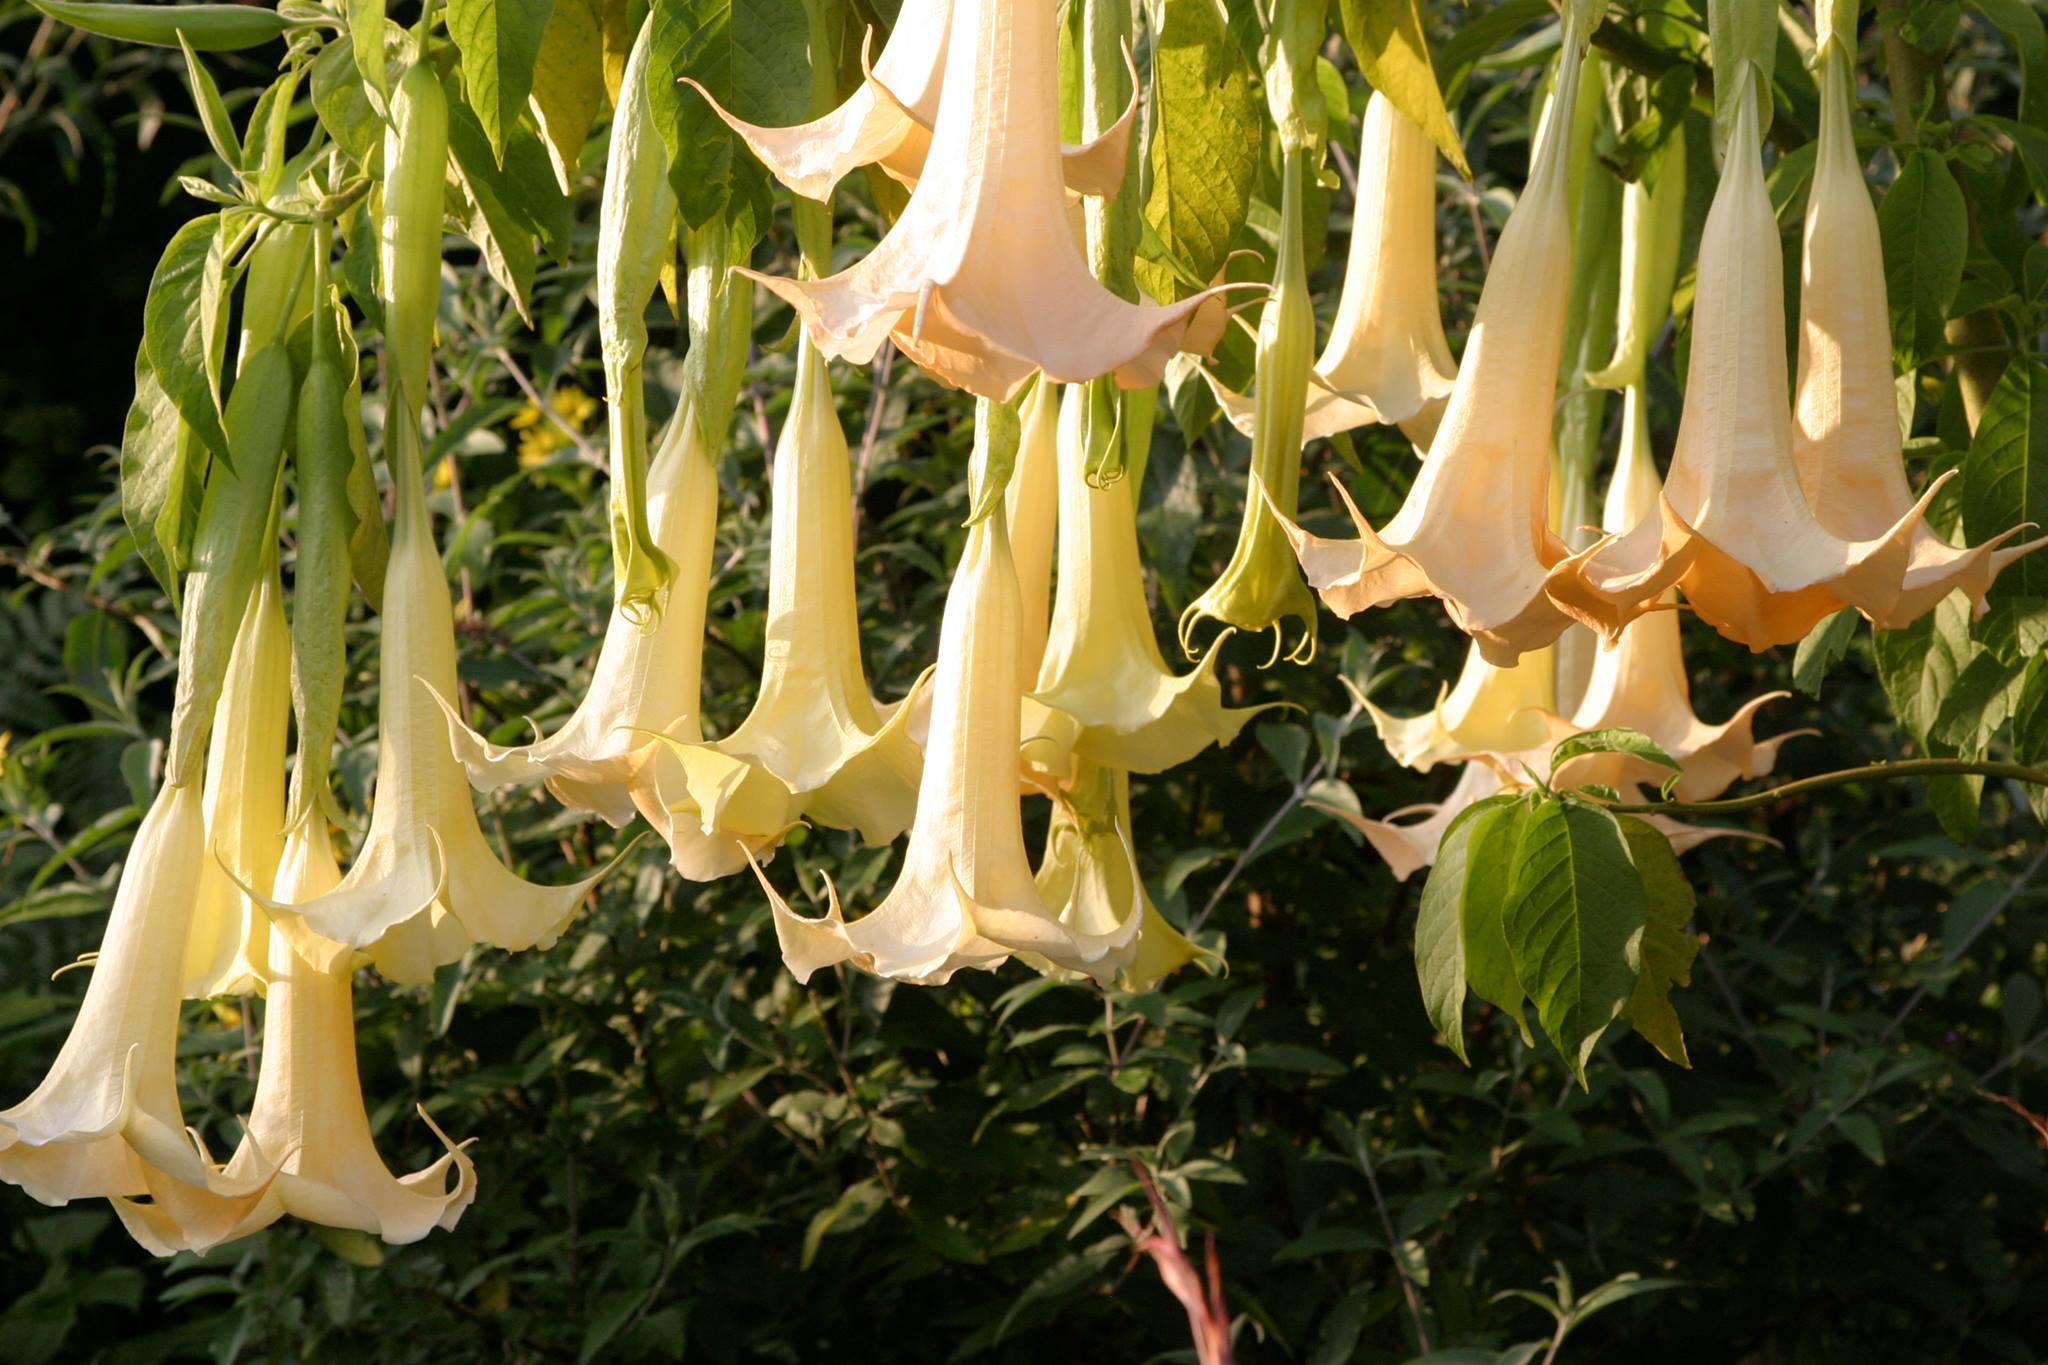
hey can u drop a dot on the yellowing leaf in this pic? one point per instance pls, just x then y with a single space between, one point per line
1386 36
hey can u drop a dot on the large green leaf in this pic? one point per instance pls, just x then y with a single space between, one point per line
2001 487
1926 236
1492 856
1918 667
1387 38
489 208
1575 913
568 83
499 41
1440 925
183 331
752 56
1668 947
159 491
1205 147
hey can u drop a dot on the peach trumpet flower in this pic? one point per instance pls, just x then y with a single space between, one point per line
965 896
1475 528
244 803
1032 503
1103 666
887 123
815 729
425 885
106 1121
1845 436
1386 360
1734 529
980 281
309 1112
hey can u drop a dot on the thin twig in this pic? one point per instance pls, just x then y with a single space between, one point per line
584 446
879 394
39 575
1379 1203
1901 767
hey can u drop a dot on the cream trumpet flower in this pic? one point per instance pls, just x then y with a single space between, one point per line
965 896
1491 710
1089 876
243 800
1386 360
106 1121
1845 436
309 1111
980 281
815 726
425 886
1734 530
1475 529
888 122
1640 683
1032 503
1103 666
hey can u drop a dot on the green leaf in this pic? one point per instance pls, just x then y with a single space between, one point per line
1440 934
1491 858
2032 144
855 1206
1205 153
1615 740
1668 949
568 83
748 54
213 115
1386 36
1824 647
1926 237
499 41
2000 484
1977 704
1917 666
366 25
183 331
497 206
159 491
2030 729
2020 22
208 28
1574 918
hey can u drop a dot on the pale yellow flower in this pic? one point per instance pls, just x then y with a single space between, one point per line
1386 360
1032 503
106 1121
980 281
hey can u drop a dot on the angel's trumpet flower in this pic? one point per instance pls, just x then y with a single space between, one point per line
980 281
1386 360
1102 663
309 1112
244 803
887 123
1640 683
106 1121
1089 877
815 726
425 886
1845 434
1491 710
965 896
1475 529
1261 585
1032 503
1734 529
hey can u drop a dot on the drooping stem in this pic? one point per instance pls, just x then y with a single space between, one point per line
1896 768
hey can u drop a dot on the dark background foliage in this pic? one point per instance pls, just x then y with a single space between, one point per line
682 1152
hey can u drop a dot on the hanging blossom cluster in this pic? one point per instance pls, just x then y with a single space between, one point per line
1049 681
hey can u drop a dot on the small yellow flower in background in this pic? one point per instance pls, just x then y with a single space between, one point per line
539 436
6 738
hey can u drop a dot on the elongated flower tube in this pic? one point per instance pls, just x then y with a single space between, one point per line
1640 683
1734 528
888 122
980 281
1261 585
965 896
225 950
425 886
1386 360
309 1111
1845 437
814 725
1475 529
1089 876
1032 503
1652 231
106 1121
1102 663
635 231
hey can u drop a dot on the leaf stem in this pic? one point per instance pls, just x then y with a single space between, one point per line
1896 768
